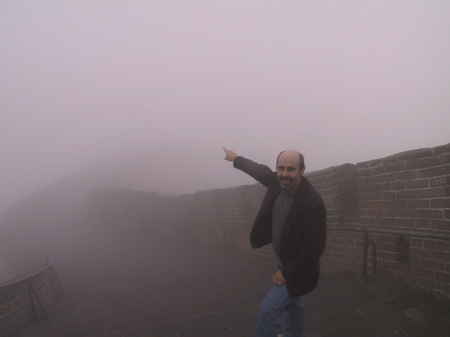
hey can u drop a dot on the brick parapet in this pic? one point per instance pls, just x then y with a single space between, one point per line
408 190
405 191
338 187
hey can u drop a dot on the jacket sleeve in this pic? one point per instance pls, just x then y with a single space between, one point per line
315 240
259 172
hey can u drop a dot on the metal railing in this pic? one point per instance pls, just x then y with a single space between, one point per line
366 242
229 232
230 228
32 293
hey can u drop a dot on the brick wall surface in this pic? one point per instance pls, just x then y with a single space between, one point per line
408 191
405 191
338 187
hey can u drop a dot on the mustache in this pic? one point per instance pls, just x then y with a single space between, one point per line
286 178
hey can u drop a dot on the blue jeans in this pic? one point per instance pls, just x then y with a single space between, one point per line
276 306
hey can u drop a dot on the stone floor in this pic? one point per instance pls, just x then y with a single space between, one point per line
155 284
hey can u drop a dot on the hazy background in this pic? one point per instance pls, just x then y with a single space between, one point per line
174 81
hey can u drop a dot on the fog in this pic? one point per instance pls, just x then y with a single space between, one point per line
169 83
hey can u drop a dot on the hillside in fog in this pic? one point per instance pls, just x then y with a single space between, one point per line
169 169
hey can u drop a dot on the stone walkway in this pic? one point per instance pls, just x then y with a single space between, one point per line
156 285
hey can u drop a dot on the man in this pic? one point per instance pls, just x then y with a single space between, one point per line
293 218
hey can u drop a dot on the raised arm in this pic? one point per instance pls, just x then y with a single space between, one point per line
259 172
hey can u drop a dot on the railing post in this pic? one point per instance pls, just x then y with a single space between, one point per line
365 252
32 292
374 258
52 277
225 234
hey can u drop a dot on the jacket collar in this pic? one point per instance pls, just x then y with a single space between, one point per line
299 198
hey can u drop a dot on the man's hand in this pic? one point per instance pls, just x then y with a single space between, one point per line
278 278
229 155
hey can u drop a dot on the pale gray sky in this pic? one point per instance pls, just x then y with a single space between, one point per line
341 81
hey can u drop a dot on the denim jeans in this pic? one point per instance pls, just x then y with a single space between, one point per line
276 306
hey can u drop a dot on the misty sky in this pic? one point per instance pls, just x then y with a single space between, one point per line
341 81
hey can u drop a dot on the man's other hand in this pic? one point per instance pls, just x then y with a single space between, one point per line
229 155
278 278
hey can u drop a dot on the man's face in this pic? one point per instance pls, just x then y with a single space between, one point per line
288 171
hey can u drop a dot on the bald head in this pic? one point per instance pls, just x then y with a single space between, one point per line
298 155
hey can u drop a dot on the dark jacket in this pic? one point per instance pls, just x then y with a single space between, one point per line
304 233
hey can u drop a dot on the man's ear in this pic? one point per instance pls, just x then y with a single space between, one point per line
302 170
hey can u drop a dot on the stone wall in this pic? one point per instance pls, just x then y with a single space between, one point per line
338 187
409 191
